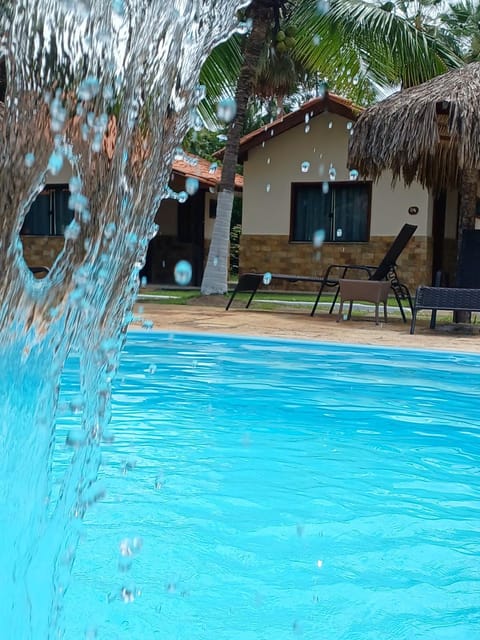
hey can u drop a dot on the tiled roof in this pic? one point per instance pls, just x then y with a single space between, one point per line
206 172
329 102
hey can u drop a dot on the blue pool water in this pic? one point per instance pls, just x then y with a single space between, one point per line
268 490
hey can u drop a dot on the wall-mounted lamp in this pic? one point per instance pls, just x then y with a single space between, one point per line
413 211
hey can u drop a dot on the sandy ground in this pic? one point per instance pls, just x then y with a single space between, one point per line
212 318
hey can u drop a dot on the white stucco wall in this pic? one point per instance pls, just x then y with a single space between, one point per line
272 167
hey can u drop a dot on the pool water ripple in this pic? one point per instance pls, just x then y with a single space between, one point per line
283 490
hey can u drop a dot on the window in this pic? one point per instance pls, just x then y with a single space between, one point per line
49 214
343 212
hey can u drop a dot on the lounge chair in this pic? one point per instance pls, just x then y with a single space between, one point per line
444 298
250 282
386 270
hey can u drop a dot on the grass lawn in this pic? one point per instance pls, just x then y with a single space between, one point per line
286 301
264 300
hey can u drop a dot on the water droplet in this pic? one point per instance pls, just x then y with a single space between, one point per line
55 163
307 128
353 175
349 125
128 465
108 92
152 369
109 230
197 122
330 125
191 186
88 88
77 202
318 238
244 27
143 282
75 184
77 404
226 109
127 594
268 186
307 118
339 233
332 172
182 197
319 564
267 278
200 92
118 7
29 160
323 6
108 436
305 167
72 231
316 40
76 438
183 273
215 261
325 188
213 167
269 160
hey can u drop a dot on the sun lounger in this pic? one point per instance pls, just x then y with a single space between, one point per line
250 282
386 270
444 299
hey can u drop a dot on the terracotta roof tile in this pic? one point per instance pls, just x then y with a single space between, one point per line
205 171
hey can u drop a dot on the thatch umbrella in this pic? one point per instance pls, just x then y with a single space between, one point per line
429 133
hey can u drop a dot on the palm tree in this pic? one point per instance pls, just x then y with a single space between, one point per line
261 13
356 44
462 26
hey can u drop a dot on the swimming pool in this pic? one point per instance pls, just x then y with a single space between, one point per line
261 489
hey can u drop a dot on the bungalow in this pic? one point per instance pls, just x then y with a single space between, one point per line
185 228
297 183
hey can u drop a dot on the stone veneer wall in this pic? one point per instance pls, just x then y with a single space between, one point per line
260 253
41 251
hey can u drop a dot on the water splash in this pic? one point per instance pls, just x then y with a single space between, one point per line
110 88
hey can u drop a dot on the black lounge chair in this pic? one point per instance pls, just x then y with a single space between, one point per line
444 299
386 270
250 282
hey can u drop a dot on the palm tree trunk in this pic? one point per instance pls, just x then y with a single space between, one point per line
466 221
215 276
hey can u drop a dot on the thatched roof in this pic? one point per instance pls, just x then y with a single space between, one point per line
427 133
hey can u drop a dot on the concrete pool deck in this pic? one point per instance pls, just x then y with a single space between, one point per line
211 317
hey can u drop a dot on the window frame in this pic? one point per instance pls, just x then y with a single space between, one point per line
295 186
49 190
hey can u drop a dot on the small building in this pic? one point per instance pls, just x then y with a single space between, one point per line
297 187
185 227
